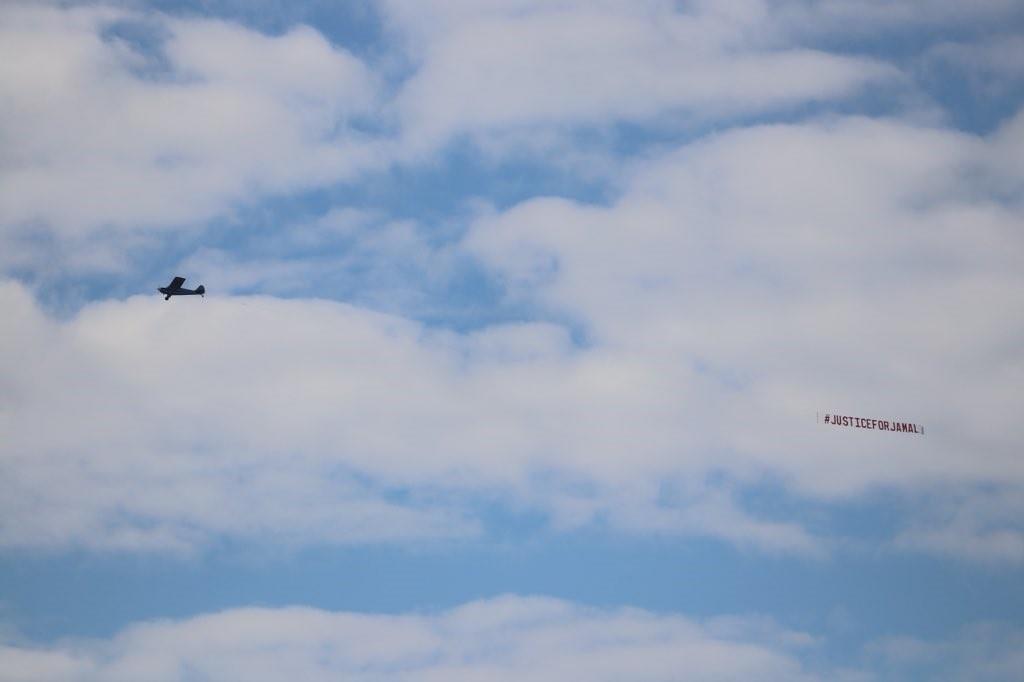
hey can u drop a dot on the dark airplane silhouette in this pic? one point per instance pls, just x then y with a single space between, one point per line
175 289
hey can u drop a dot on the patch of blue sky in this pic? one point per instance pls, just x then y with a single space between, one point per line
145 263
639 139
462 175
145 39
866 520
975 102
968 96
902 39
352 24
850 598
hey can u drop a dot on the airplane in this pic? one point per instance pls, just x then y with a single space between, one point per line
175 289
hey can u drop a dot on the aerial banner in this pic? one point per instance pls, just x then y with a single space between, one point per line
891 425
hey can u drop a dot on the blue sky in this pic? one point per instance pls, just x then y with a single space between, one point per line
519 318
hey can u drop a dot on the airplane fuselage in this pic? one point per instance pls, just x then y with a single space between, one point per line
180 292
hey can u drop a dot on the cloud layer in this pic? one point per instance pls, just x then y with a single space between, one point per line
679 338
118 120
737 286
508 638
497 68
505 638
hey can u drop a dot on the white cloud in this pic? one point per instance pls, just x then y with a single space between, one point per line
499 67
502 638
860 266
738 286
104 138
140 423
101 134
856 266
507 638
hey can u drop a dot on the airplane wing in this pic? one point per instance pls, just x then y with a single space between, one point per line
176 283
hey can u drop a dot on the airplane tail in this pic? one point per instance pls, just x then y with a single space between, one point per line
201 290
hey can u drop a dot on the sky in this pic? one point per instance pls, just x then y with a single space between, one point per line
522 321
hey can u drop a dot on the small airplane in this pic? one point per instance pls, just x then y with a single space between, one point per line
175 289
